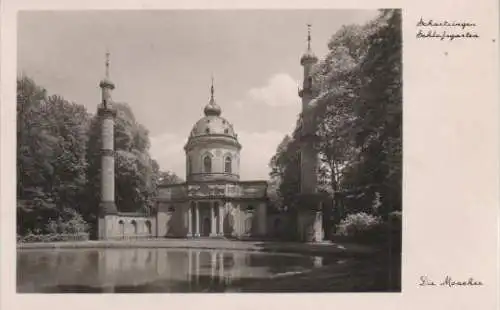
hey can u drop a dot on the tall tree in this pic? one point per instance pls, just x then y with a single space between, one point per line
51 140
379 113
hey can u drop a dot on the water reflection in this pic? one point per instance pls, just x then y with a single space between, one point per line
149 270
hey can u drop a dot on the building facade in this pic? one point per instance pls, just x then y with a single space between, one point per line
213 201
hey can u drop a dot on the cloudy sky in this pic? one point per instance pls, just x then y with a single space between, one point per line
162 62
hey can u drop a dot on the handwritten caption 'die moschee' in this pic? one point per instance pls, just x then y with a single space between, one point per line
445 29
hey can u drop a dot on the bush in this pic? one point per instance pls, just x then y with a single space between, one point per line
70 226
31 237
360 226
72 223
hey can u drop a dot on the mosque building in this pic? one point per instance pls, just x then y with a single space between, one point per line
213 201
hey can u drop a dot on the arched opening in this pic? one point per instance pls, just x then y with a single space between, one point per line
248 226
134 225
227 165
207 164
206 227
277 227
148 228
277 223
122 228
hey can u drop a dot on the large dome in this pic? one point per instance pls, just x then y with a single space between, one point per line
212 125
212 149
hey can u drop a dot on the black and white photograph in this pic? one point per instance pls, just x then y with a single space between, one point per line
209 151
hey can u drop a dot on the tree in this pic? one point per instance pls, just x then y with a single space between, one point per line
51 156
379 113
168 177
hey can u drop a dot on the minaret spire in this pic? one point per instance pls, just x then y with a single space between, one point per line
106 85
212 88
309 37
107 65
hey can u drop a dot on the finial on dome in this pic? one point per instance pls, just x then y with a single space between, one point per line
212 108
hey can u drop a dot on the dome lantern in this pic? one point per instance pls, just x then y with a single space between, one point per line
212 108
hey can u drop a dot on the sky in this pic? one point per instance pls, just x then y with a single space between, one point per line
162 63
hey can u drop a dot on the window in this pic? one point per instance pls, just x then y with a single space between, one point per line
227 165
207 164
148 227
122 228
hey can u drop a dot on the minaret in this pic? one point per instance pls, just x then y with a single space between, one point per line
308 156
107 113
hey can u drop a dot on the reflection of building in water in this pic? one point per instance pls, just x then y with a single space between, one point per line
111 268
138 266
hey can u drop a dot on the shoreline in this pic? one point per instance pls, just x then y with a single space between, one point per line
324 248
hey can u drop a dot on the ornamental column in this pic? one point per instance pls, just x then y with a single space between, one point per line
106 114
190 220
197 224
221 220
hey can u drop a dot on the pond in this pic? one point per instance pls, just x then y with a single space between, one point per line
150 270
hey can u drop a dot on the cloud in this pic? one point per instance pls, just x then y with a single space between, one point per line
280 90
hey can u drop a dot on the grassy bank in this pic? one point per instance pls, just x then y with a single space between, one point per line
379 273
265 246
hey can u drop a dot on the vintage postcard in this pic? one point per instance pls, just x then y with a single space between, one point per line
236 154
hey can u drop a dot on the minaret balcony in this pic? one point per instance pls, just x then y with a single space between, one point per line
106 111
